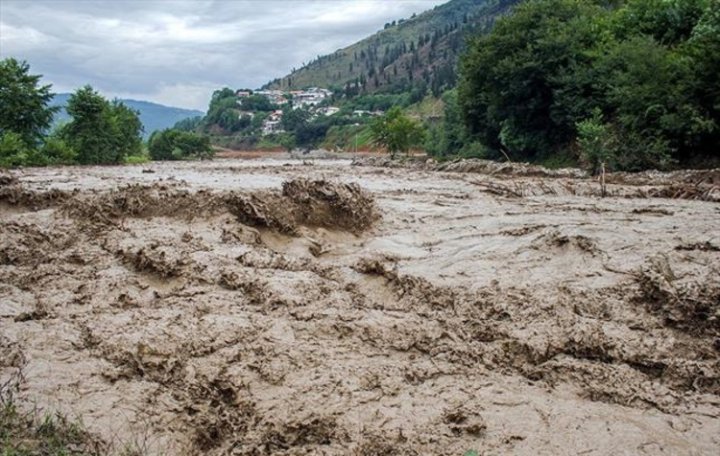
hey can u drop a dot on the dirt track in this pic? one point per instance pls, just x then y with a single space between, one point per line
212 309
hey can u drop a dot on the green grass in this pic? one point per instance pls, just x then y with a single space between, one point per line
136 159
29 431
348 137
37 434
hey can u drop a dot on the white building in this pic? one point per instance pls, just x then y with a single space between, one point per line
328 110
273 123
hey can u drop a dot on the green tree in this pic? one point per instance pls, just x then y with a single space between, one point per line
101 132
24 103
293 119
257 103
396 132
189 124
508 85
648 67
224 113
171 144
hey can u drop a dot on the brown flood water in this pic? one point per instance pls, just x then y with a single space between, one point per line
242 307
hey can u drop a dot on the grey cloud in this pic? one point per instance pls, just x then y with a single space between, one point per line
177 52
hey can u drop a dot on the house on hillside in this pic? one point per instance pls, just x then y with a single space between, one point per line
274 96
273 123
328 110
363 113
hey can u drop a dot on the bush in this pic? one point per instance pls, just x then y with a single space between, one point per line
475 150
173 144
136 159
13 150
397 132
57 151
595 142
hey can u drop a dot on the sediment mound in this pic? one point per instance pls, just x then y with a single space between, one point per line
139 201
701 185
302 202
472 165
24 243
14 194
556 240
332 205
686 176
690 305
6 179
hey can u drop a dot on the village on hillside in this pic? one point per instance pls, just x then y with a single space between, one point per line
315 100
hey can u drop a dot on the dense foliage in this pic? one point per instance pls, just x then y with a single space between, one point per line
571 77
223 112
172 144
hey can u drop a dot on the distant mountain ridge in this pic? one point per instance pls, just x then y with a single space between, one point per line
153 116
423 48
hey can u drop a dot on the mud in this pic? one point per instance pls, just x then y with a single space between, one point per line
279 307
701 185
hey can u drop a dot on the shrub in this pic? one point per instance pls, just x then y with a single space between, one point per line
594 139
13 150
171 144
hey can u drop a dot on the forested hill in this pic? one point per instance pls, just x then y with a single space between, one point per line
152 115
424 48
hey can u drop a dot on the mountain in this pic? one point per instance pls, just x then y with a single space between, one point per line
152 115
422 49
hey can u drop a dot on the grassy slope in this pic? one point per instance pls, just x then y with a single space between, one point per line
335 70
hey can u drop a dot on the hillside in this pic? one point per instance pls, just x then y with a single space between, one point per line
422 49
152 115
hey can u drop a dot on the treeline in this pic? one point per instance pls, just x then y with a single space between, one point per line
633 85
99 132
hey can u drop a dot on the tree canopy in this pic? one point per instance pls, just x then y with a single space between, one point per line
644 71
172 144
101 132
24 103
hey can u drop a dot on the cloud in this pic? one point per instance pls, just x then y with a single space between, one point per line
178 52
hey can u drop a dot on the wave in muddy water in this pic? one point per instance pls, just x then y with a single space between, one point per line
325 318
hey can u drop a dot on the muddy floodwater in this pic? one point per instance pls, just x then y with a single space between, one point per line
285 307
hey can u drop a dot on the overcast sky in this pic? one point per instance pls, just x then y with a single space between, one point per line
178 52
